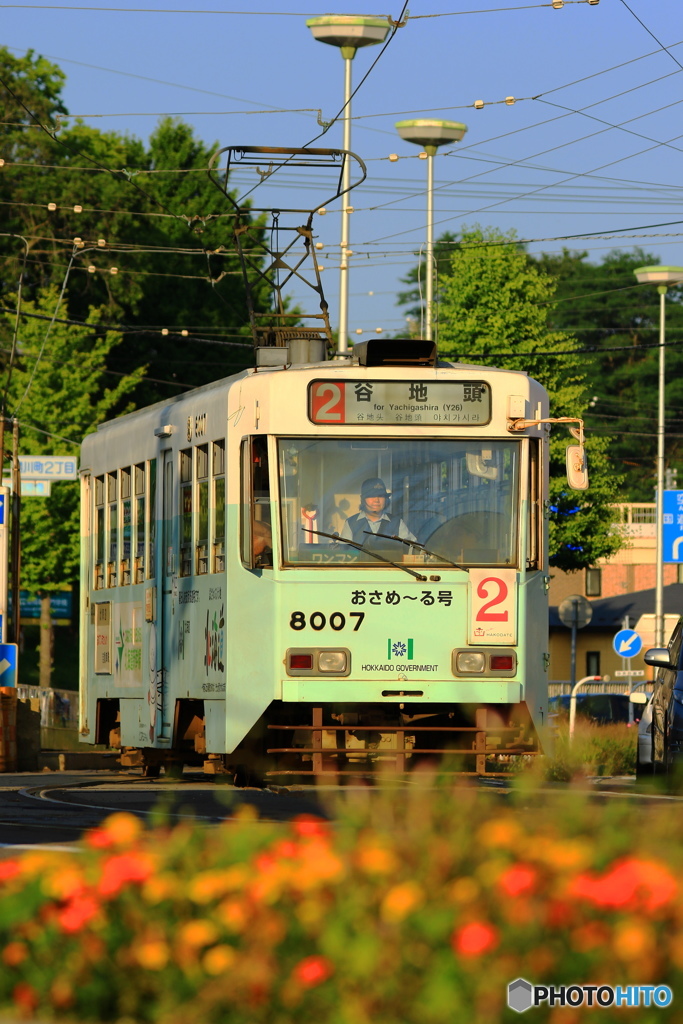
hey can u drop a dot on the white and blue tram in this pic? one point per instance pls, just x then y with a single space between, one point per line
232 615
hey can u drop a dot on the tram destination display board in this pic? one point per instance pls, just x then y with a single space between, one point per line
399 402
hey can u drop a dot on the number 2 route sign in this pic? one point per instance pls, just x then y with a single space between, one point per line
493 606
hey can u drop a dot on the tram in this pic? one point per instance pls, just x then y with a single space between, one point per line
241 607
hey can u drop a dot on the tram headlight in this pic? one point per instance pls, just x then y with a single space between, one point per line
314 661
333 661
470 661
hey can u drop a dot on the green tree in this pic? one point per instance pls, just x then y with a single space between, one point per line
60 390
156 248
494 309
605 308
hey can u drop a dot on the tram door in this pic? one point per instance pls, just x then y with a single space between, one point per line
169 588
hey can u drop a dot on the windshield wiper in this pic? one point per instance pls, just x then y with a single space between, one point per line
368 551
416 544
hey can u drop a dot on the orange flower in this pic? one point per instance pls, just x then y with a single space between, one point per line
151 955
120 829
312 971
219 959
474 938
517 879
14 954
400 901
196 934
77 913
122 869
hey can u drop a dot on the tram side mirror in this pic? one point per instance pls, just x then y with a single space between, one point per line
477 465
577 467
638 698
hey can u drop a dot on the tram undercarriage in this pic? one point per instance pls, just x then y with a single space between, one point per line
300 742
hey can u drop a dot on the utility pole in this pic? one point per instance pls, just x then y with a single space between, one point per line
16 541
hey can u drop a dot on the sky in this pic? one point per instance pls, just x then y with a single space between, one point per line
588 156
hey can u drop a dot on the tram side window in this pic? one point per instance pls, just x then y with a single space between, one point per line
202 457
139 525
256 530
151 520
113 529
186 512
100 537
218 475
535 524
126 533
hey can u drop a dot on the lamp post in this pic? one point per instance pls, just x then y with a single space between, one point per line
663 277
430 135
349 33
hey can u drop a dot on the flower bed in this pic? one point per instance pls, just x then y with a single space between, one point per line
418 908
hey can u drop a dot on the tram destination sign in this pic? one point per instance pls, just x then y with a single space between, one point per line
442 403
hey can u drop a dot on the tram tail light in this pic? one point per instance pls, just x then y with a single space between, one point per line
315 661
300 661
467 662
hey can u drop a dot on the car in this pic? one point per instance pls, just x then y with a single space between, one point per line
667 703
642 705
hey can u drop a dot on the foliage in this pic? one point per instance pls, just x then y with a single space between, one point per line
594 750
406 913
60 390
605 308
149 213
494 310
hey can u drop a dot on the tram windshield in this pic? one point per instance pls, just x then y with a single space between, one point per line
421 501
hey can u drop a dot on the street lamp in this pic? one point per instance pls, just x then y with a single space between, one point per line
349 33
430 135
663 277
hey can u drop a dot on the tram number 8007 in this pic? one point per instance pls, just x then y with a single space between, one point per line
318 621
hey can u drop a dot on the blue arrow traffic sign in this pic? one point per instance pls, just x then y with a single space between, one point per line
2 509
672 526
8 664
627 643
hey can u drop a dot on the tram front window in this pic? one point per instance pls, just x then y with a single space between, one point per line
447 501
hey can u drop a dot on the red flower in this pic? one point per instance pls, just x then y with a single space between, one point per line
474 938
77 913
630 881
308 825
517 879
122 869
312 971
25 997
8 869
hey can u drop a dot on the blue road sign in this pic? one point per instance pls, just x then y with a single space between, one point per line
8 664
2 509
673 526
627 643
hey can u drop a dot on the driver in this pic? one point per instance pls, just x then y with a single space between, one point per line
373 516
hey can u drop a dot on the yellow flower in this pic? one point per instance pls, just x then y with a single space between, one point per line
400 901
210 885
159 887
464 890
219 959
